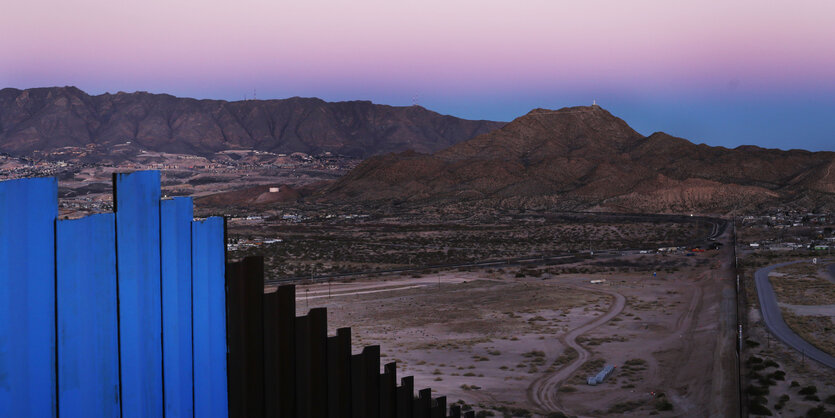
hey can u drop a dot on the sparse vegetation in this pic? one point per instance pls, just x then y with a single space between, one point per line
627 406
818 330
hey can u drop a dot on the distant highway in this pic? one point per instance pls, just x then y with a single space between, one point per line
774 319
717 229
509 262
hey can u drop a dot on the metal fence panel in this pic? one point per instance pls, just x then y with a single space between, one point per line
175 235
88 327
28 208
136 198
209 315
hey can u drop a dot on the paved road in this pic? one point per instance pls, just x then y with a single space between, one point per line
774 319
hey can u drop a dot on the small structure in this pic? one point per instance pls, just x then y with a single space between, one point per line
275 189
600 377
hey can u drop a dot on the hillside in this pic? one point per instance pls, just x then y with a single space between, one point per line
584 158
50 118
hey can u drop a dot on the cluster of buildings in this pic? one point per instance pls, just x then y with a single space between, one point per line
792 230
788 219
234 244
20 167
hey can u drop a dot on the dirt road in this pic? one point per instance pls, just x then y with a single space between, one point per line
543 391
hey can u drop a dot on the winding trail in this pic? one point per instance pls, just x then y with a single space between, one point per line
543 391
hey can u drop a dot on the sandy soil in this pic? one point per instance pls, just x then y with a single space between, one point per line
823 310
800 372
498 342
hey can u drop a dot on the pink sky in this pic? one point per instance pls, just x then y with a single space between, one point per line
449 43
444 51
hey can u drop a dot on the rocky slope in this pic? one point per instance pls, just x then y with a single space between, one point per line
584 158
50 118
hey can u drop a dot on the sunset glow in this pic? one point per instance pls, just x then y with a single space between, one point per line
476 59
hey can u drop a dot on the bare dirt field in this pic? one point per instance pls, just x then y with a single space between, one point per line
805 296
782 381
779 380
522 346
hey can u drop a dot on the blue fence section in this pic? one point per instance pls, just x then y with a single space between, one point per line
132 315
28 209
99 316
136 198
209 284
88 322
175 235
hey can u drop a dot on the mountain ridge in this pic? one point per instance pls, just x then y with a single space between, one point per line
53 117
585 158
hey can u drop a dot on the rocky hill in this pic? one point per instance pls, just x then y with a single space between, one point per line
50 118
584 158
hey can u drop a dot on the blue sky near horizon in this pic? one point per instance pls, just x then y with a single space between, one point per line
720 73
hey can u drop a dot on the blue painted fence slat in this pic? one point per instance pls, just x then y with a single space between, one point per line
88 327
136 197
28 208
209 284
175 220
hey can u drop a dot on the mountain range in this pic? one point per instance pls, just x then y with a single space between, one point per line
584 158
55 117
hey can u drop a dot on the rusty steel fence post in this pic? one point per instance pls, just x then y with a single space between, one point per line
405 397
245 281
339 374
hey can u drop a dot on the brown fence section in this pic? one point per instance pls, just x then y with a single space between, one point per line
281 365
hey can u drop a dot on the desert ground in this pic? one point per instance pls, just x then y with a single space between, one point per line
513 343
777 379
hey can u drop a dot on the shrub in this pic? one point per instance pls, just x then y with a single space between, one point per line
757 391
778 375
808 390
758 409
819 412
625 406
663 405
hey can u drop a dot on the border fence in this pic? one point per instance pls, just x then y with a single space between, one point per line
137 313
